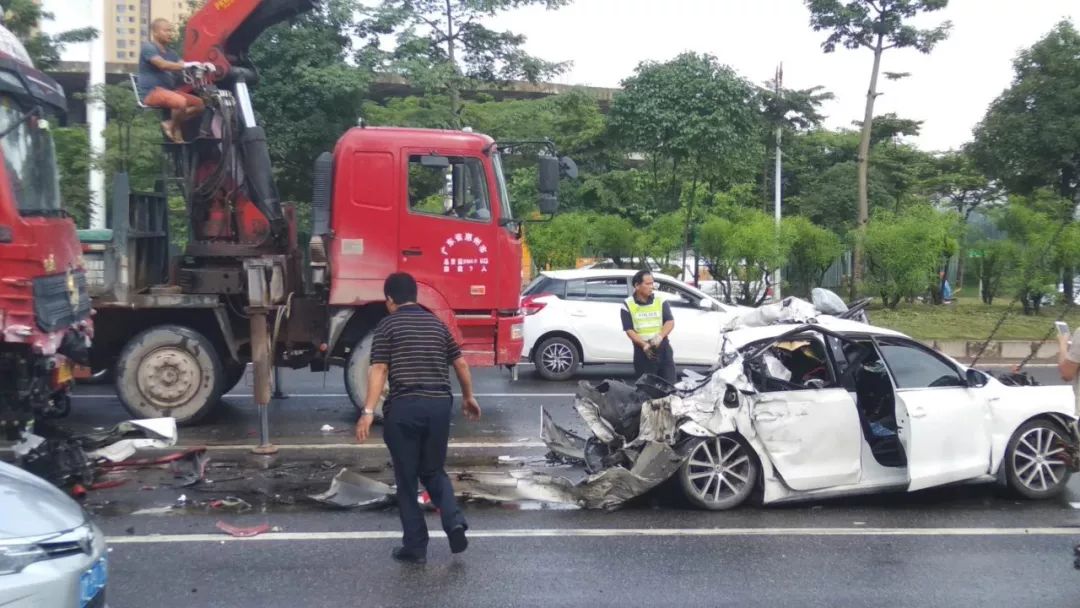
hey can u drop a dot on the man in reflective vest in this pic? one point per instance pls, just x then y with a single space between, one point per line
647 321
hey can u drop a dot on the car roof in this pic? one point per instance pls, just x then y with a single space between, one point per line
593 273
748 335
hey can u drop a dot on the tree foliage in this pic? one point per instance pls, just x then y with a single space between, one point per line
25 17
904 251
744 252
442 46
814 249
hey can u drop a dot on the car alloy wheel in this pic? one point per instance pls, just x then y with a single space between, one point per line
557 358
1038 459
720 472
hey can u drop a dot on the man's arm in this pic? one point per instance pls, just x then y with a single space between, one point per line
1067 367
469 405
165 65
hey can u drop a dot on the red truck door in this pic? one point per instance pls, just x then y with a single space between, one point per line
447 232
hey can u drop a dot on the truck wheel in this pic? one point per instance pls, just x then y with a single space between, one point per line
169 370
232 374
356 376
556 359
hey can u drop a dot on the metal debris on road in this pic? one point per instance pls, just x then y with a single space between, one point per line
349 490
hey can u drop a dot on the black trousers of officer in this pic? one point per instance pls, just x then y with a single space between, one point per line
416 430
663 364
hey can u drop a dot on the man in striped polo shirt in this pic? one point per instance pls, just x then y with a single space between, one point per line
415 349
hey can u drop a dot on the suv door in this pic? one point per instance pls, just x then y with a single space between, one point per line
595 306
696 337
943 424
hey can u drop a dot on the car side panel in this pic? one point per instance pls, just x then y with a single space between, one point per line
1011 406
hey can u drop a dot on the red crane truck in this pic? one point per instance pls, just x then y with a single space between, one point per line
44 306
179 330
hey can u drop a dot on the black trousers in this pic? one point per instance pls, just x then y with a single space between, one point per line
416 430
662 365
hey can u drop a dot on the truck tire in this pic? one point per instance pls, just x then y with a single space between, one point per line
356 376
232 374
169 370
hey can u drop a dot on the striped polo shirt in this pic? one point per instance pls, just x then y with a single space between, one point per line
418 349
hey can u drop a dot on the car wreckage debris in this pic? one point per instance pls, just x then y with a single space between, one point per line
349 490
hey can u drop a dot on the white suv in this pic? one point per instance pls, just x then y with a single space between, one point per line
572 319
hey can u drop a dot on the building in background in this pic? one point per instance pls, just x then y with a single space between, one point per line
128 25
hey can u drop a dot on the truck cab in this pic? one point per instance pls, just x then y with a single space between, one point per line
44 307
434 204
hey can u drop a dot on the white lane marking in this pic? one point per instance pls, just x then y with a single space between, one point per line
602 532
343 395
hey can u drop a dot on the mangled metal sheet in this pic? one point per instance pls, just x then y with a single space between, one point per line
125 439
788 310
349 490
562 443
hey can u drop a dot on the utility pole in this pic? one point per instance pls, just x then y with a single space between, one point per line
776 178
95 115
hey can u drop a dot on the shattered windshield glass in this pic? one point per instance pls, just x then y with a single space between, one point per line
30 160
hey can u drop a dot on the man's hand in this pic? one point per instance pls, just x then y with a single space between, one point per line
363 428
471 408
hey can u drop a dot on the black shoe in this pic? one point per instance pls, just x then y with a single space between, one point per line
458 542
405 556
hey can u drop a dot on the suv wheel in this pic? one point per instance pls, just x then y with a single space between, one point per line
556 359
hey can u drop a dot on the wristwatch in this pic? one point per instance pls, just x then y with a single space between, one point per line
367 413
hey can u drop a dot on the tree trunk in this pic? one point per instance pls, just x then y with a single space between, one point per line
453 88
862 215
689 218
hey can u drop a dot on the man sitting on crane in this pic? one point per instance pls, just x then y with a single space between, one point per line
158 66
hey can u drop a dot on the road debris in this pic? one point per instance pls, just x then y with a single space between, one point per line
349 490
238 532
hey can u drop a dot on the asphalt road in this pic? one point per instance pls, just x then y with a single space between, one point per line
967 545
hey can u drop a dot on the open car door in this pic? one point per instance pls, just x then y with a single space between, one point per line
807 422
943 424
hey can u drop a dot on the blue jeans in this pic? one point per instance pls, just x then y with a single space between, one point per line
416 430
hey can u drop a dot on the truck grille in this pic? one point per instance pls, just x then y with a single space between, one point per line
54 303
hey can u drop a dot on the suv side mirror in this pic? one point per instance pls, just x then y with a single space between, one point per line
975 378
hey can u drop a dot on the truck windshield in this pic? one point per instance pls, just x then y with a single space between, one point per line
505 212
30 160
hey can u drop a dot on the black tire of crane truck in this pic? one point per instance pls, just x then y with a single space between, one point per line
356 375
232 374
169 370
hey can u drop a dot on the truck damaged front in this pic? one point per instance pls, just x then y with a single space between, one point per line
45 322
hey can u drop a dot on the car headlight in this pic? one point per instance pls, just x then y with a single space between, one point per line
13 558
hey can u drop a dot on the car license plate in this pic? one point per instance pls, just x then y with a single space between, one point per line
63 373
93 582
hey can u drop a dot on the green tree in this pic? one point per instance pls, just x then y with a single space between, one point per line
877 25
662 237
1030 232
1030 136
25 19
614 237
815 249
442 46
995 262
744 253
308 93
904 251
560 242
693 116
73 157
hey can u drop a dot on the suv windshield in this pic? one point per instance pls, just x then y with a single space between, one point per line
505 214
30 161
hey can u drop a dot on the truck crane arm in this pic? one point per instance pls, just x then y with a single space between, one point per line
222 31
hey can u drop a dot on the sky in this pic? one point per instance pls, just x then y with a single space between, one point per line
949 90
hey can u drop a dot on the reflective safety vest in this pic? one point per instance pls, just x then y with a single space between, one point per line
648 318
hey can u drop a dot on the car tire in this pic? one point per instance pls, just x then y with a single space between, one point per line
1035 460
232 374
356 376
706 487
169 370
556 359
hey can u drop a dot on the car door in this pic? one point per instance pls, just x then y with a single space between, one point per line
595 306
696 337
812 436
943 424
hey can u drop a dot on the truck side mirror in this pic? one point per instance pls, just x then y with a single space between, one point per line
549 185
568 167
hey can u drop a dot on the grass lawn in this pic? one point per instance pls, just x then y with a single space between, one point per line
968 318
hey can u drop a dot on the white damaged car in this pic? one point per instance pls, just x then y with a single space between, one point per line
828 408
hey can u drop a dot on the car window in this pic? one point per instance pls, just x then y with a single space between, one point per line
575 290
914 367
612 290
676 296
798 363
458 191
544 284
